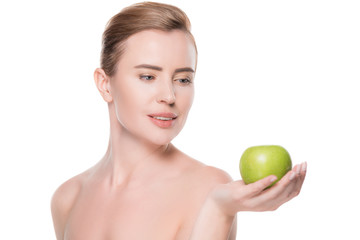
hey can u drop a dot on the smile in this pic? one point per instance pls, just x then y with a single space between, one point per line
163 118
163 121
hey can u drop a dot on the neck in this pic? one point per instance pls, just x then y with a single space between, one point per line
130 160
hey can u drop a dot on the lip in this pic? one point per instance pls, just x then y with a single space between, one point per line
163 114
163 123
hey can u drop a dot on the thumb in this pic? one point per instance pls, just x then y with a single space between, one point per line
261 184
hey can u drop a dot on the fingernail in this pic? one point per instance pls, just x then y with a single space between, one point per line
292 176
273 179
303 169
298 168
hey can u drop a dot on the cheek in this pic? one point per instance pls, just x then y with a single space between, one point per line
185 99
129 102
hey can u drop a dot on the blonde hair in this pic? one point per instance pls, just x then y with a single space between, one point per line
136 18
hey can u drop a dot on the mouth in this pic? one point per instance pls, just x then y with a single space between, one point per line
164 116
163 120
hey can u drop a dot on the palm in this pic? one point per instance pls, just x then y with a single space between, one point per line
237 196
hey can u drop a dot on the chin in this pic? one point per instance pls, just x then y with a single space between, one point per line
162 139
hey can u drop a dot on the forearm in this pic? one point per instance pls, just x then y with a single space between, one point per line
212 224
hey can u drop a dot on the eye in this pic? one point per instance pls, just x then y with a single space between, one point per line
185 81
146 77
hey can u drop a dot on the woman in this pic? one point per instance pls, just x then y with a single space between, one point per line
144 187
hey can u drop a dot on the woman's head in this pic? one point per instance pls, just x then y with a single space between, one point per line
147 68
134 19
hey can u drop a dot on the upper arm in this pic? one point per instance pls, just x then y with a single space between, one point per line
232 235
61 204
221 177
218 176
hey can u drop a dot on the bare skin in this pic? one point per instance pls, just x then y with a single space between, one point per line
144 187
225 200
164 207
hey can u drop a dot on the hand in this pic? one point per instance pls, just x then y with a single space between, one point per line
235 196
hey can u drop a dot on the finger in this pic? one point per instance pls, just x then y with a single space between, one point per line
290 176
294 183
300 171
274 196
292 189
287 178
300 180
282 191
258 186
303 170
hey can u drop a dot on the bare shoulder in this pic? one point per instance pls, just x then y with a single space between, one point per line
215 175
204 173
199 180
207 177
203 178
62 202
66 193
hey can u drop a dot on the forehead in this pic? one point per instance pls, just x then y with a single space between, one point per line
167 49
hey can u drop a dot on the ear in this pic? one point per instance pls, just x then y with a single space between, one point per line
102 82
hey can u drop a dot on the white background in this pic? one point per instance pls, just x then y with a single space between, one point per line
269 72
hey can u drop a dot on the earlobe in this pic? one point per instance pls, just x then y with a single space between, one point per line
102 82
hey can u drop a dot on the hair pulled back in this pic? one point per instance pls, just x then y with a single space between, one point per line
136 18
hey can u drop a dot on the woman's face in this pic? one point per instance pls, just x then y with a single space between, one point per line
153 86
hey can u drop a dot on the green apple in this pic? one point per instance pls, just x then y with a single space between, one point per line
261 161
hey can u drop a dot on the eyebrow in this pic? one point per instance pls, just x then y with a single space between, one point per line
149 66
185 69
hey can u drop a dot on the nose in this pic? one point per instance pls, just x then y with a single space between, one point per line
166 94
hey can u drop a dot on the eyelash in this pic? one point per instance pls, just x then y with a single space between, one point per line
145 76
188 81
